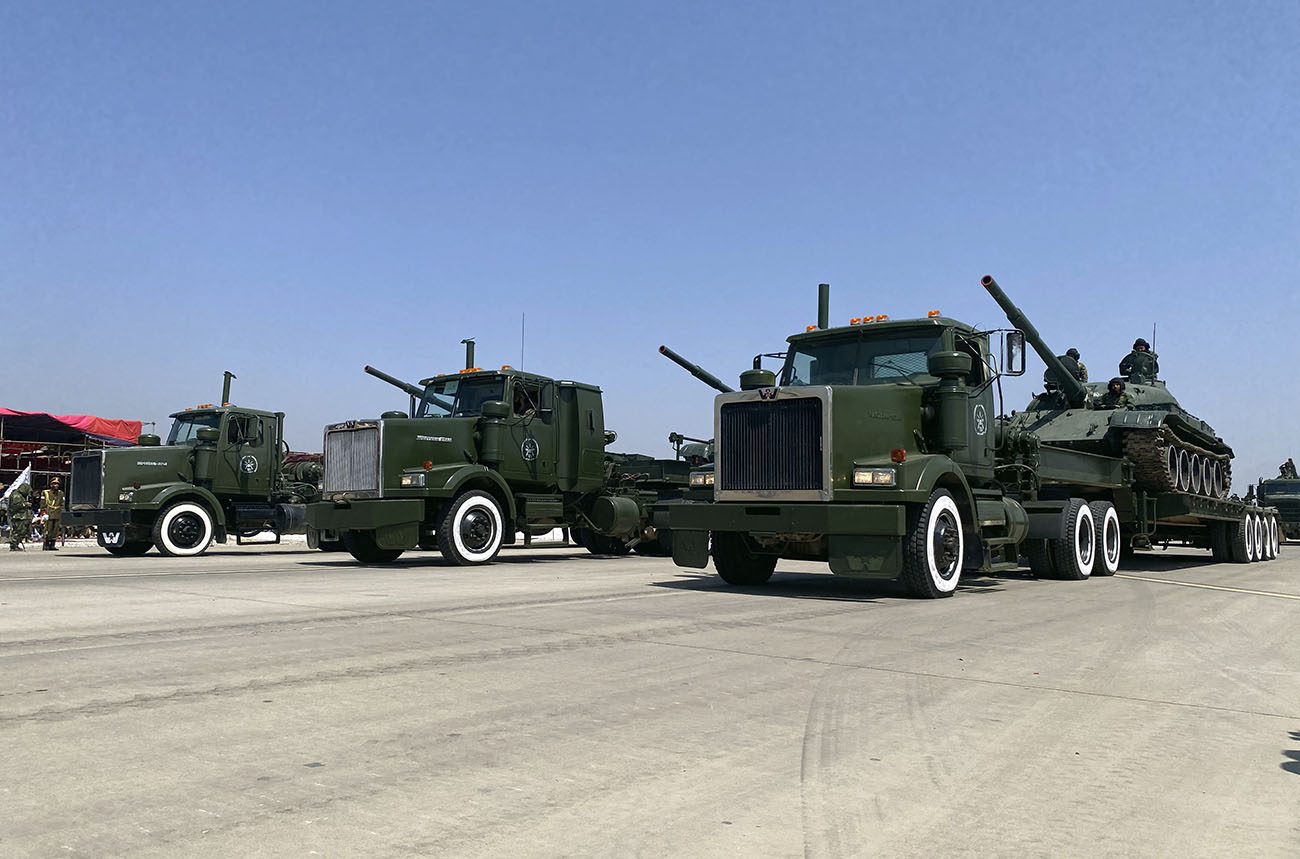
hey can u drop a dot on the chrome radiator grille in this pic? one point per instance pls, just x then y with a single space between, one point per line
771 445
85 483
352 460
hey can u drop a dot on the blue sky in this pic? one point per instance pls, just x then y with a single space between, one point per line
293 190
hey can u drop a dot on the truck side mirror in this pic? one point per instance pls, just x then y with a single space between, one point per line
1013 354
495 409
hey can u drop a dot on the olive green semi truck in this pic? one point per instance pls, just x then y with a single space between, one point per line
880 450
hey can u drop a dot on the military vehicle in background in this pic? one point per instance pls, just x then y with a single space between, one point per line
877 450
481 455
223 470
1283 494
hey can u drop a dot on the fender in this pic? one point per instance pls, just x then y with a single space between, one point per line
935 468
472 474
178 491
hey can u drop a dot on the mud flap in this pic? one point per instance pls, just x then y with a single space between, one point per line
691 548
865 557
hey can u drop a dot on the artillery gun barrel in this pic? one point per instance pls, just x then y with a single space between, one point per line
1074 391
696 370
414 390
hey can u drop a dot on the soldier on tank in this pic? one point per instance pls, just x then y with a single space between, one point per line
52 503
20 517
1082 375
1288 469
1071 365
1141 366
1115 397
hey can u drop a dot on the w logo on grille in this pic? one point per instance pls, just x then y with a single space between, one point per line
767 393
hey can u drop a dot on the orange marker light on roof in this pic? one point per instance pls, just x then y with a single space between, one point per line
932 314
505 367
855 320
810 328
204 406
882 317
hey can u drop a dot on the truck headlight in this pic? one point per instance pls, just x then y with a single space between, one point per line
412 480
873 477
702 478
126 496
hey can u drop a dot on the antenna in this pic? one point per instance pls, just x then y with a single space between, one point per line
523 317
1153 337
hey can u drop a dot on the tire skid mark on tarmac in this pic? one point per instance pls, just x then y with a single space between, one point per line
1203 586
565 642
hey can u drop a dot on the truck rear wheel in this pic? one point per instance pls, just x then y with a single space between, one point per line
1107 540
736 564
1041 562
472 530
1240 544
362 546
183 529
130 549
1076 552
1272 542
1219 541
934 548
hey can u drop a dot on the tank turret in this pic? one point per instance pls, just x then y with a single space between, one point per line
696 370
1171 449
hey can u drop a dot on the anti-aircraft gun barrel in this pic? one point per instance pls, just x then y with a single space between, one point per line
1074 391
414 390
696 370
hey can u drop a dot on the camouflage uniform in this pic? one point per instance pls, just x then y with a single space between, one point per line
1141 365
1288 469
1082 372
1073 367
52 502
20 517
1114 399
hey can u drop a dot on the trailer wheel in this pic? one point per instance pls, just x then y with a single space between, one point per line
472 530
736 564
1273 543
1240 544
130 549
1076 552
1220 541
183 529
362 546
1041 562
1257 530
1107 540
934 548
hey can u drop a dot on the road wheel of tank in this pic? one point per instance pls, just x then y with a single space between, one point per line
736 564
1239 540
1041 562
183 529
1220 539
472 530
362 546
1107 540
1184 470
1076 552
130 549
1273 542
934 548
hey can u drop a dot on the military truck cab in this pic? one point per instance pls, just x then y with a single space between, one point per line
219 472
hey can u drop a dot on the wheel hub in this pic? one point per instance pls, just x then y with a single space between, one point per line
476 530
185 530
945 545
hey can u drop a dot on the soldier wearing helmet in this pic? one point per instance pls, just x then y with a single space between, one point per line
1082 373
1141 366
1115 397
52 503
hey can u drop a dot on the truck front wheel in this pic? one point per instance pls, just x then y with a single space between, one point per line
736 564
934 548
472 531
183 529
362 546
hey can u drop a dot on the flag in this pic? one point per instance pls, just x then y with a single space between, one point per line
25 477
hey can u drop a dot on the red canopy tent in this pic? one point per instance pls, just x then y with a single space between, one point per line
44 427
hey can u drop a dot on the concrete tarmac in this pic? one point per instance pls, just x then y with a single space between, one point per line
272 702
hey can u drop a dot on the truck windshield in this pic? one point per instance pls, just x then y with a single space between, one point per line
859 360
185 427
460 398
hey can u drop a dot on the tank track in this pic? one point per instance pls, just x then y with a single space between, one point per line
1149 451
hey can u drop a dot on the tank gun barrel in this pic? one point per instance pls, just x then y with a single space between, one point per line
414 390
1074 391
696 370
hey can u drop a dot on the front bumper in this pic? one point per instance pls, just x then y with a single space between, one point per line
861 540
112 518
364 515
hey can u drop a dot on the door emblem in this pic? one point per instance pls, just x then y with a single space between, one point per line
529 449
248 464
981 420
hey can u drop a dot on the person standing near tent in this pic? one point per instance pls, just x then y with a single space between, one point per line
20 516
52 501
